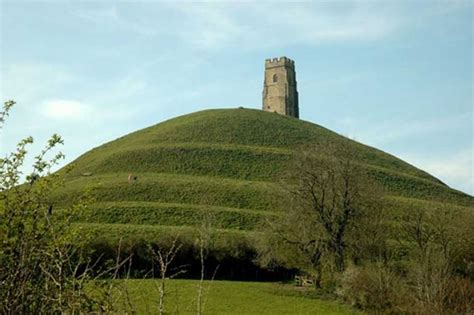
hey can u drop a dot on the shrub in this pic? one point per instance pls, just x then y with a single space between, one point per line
436 290
374 287
459 297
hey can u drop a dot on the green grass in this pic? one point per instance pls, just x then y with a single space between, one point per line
172 188
228 297
227 240
243 136
154 213
227 162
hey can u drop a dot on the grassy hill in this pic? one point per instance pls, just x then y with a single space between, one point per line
228 162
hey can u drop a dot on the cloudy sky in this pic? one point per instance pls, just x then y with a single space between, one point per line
396 75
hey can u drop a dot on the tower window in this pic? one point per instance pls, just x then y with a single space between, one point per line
275 78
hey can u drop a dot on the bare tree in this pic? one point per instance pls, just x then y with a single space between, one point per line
333 190
326 195
434 239
165 258
205 239
294 240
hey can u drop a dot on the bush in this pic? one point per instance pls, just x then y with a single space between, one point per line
436 290
460 296
375 288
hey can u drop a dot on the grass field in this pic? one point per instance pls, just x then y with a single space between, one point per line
228 297
228 163
231 158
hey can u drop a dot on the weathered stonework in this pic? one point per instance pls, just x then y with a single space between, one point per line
279 87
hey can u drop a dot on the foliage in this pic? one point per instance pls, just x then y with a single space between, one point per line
333 194
329 197
36 262
373 287
405 255
226 163
233 251
425 271
41 269
427 288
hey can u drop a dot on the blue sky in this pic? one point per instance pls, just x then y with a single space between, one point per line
396 75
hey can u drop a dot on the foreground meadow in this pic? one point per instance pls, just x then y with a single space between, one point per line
226 297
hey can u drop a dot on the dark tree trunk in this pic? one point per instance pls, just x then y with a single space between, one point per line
339 258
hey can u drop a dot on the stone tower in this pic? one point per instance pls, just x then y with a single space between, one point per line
279 87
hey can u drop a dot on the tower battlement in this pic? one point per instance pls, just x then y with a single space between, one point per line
278 62
279 87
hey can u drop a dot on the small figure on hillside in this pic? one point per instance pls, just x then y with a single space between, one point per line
132 178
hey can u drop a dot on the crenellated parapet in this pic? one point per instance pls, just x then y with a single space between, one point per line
278 62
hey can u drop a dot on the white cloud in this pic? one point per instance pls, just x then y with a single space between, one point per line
66 110
98 15
25 82
250 25
456 169
209 26
107 17
396 129
53 98
262 25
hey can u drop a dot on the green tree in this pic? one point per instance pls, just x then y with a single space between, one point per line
39 263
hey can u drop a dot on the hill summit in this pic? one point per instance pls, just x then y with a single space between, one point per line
227 161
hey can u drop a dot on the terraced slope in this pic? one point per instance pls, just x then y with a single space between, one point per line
224 161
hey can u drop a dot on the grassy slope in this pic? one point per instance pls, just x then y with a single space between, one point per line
225 161
226 297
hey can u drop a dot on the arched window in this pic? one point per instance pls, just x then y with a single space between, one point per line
275 78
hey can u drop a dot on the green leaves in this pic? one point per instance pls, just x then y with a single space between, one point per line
7 106
54 140
29 262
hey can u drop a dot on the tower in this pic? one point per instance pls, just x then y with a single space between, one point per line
279 87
